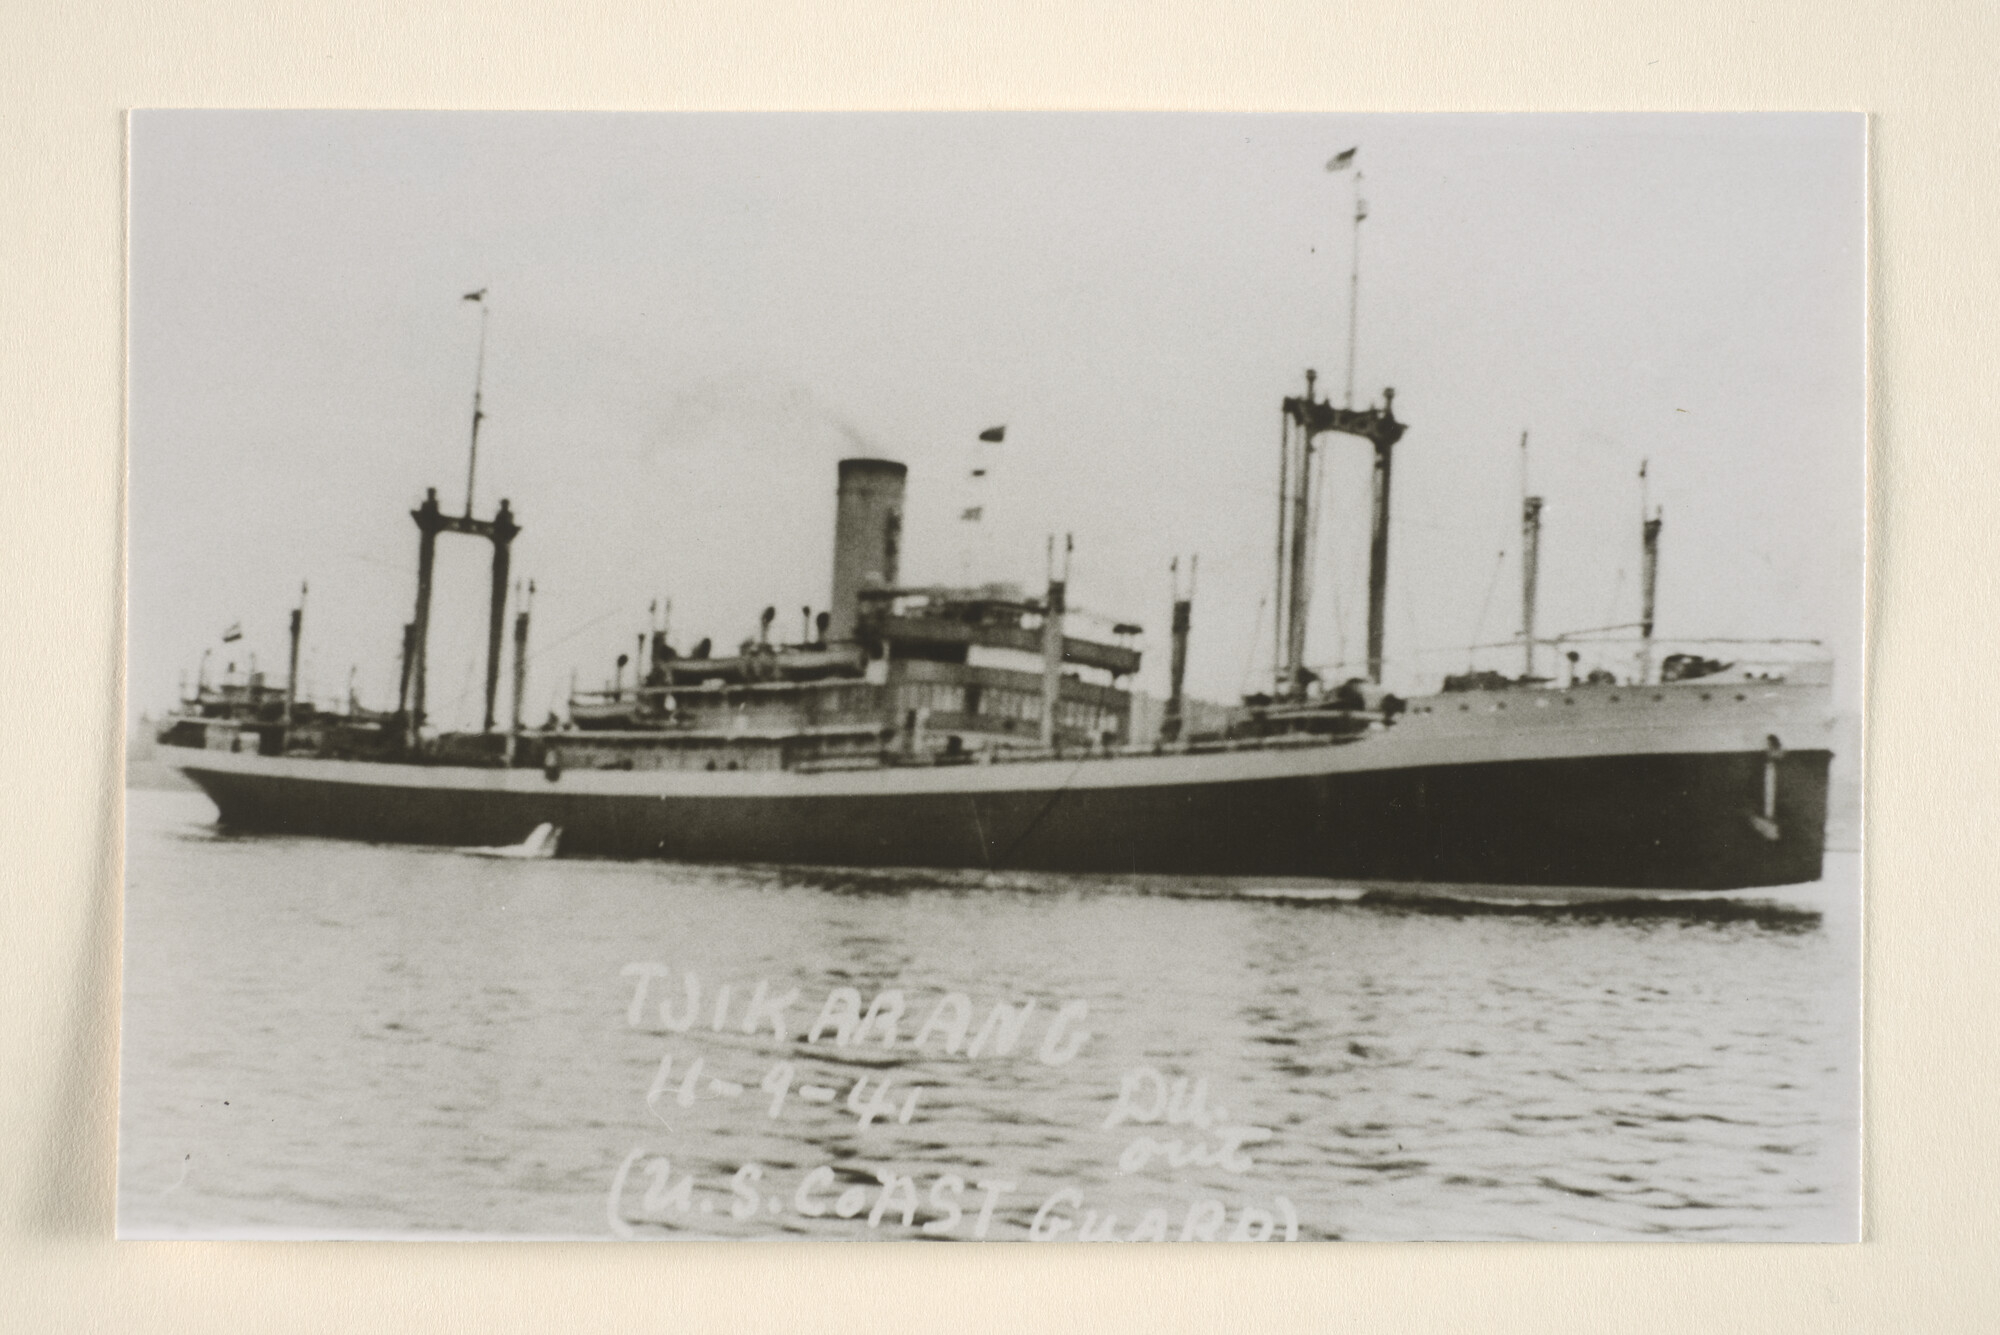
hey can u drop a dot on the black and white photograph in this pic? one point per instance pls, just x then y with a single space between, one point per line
1003 676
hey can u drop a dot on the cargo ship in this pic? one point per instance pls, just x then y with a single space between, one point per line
993 727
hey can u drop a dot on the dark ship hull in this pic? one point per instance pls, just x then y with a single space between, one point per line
1673 790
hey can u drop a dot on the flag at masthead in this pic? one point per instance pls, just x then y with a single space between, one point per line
1340 162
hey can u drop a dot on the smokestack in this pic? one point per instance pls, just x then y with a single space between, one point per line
867 537
1531 551
1052 640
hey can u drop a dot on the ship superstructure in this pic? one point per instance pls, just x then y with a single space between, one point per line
886 674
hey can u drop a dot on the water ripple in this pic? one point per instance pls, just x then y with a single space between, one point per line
346 1039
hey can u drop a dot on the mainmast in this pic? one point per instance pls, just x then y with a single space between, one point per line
1305 419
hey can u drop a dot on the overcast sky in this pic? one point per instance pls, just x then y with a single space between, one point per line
694 317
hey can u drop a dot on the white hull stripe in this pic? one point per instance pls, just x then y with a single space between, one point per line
1797 716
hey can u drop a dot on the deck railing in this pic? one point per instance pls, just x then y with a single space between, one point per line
1630 660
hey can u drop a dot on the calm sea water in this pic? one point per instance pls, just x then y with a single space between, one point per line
346 1040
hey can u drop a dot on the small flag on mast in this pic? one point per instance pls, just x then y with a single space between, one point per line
973 513
1340 162
995 434
480 295
234 633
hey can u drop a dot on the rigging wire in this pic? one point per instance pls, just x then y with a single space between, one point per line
471 666
1250 658
561 640
1486 605
1409 622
